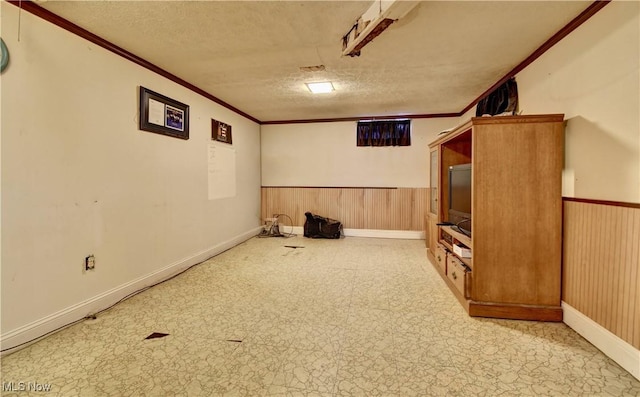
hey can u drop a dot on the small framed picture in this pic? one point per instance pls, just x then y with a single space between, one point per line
163 115
221 132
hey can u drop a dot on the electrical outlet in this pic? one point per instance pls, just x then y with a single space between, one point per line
90 262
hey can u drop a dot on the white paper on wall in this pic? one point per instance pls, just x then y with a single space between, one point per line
156 112
222 171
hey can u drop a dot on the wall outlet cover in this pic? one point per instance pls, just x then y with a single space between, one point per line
90 262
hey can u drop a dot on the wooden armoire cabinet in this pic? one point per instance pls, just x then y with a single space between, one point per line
510 266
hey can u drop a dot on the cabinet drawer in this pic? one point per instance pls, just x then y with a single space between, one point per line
457 273
441 258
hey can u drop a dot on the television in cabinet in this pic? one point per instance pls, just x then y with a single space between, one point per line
460 197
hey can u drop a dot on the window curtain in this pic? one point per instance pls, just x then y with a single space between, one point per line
384 133
502 100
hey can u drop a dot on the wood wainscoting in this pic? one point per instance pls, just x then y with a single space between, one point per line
601 261
356 208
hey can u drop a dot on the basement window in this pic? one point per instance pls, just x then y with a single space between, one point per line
384 132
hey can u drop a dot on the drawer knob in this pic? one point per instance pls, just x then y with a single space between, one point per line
454 275
439 259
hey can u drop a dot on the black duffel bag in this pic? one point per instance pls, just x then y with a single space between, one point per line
317 226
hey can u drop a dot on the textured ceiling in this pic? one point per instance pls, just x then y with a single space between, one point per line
437 59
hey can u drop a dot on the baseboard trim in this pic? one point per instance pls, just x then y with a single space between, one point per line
615 348
373 233
13 340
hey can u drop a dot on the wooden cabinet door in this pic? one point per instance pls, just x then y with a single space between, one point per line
432 222
433 182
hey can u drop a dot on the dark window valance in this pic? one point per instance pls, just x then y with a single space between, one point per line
502 100
384 133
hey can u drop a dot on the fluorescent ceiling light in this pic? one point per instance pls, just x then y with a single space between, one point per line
320 88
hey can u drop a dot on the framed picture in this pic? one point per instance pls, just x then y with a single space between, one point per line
163 115
221 132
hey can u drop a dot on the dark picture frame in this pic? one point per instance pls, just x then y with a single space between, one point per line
221 132
163 115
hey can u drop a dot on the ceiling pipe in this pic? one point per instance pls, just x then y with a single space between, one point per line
374 21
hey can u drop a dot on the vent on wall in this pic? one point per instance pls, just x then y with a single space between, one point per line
316 68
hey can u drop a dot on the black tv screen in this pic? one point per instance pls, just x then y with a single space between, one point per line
460 196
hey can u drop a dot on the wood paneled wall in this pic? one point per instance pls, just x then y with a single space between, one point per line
601 261
356 208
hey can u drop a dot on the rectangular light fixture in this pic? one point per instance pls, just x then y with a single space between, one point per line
320 88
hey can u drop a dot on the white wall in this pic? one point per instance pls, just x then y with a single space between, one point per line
593 77
325 154
79 178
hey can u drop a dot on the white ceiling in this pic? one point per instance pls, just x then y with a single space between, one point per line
437 59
